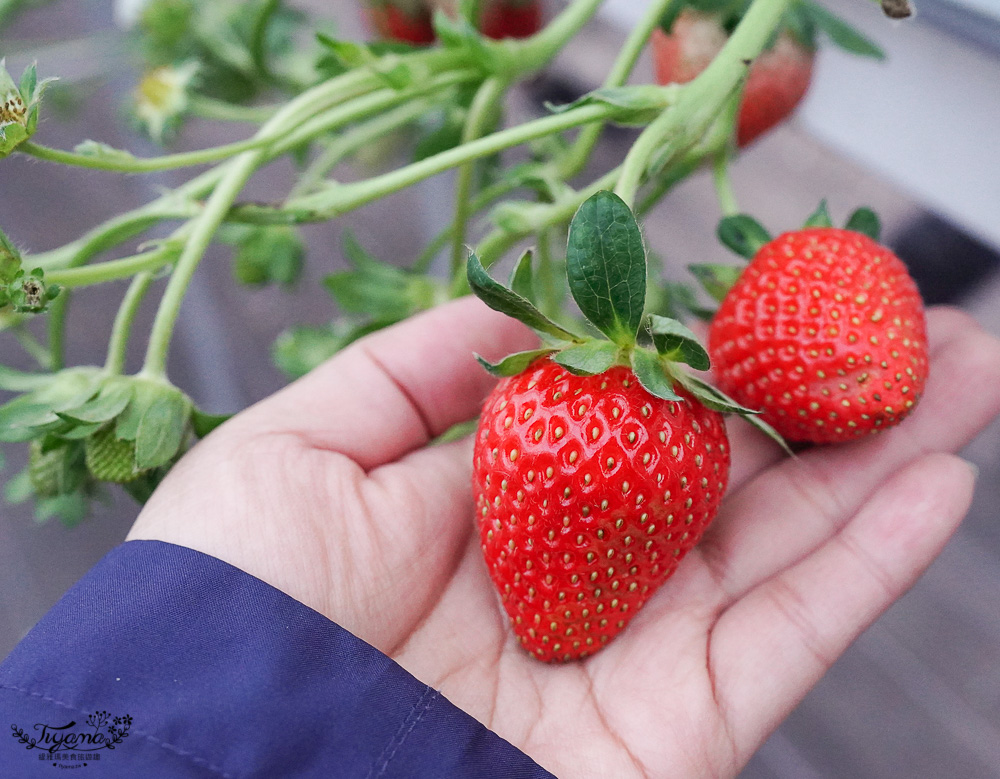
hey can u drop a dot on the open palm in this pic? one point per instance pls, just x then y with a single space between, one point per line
329 492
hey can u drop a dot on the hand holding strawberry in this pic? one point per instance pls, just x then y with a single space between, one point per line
329 491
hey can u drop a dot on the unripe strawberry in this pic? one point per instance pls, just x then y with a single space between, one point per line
45 470
109 458
825 333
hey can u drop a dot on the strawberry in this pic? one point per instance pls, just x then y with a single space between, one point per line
511 18
825 332
598 462
111 459
777 82
408 21
589 492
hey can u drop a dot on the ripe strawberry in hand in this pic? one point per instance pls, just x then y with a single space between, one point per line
824 331
598 464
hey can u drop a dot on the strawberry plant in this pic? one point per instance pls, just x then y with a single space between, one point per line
615 356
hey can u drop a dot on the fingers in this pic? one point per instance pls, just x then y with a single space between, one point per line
805 500
771 647
394 391
753 452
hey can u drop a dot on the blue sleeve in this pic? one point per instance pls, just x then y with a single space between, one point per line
165 662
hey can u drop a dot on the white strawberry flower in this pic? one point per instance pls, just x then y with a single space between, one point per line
162 96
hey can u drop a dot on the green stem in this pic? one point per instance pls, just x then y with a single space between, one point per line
220 110
338 199
113 270
723 185
531 54
681 126
58 310
31 345
498 242
579 153
482 113
126 163
258 43
357 138
129 307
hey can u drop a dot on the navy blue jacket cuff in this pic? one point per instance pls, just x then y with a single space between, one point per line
171 663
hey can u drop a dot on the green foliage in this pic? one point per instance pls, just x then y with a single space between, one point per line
268 255
606 266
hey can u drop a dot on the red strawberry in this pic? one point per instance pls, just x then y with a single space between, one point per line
408 21
825 332
511 18
778 80
589 491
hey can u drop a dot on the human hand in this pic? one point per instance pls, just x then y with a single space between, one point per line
329 492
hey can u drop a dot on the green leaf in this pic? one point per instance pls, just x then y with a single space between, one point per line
680 299
203 423
272 254
107 404
19 489
649 371
499 298
588 359
820 217
866 222
716 279
639 104
842 34
19 381
743 234
161 430
606 266
513 364
521 281
677 343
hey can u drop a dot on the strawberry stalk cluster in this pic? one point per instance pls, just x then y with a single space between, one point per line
607 516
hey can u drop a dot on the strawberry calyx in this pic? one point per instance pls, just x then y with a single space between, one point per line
745 236
606 272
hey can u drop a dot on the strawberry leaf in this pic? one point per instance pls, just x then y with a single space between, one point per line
499 298
521 280
820 217
743 234
639 104
716 279
588 359
840 33
649 371
866 222
678 344
606 266
513 364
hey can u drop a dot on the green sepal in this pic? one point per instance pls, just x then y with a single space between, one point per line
648 369
840 33
161 429
269 254
866 222
677 343
26 416
743 234
606 266
499 298
716 279
521 278
639 105
203 423
820 217
109 402
680 299
70 509
513 364
588 359
19 381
